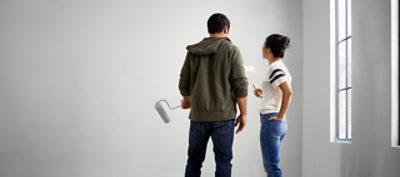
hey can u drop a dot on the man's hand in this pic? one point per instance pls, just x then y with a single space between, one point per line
242 118
241 121
185 102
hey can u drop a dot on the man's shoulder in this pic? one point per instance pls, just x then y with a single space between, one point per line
227 41
228 45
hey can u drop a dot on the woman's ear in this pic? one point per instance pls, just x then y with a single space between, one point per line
269 50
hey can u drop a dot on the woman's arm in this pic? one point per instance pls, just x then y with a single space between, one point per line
286 97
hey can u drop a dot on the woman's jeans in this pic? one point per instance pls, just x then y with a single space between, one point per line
221 133
271 136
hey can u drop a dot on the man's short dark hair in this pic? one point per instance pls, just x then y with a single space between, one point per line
217 22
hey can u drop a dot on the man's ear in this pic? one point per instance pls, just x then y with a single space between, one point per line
226 29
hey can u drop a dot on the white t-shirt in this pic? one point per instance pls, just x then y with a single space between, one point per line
277 73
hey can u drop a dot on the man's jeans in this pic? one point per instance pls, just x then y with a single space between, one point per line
271 136
221 133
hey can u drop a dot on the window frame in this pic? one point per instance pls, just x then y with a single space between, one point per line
395 128
335 89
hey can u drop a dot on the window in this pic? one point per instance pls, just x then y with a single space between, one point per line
341 83
395 73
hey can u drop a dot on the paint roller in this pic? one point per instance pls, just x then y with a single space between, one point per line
163 110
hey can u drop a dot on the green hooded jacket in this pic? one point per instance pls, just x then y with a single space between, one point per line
213 76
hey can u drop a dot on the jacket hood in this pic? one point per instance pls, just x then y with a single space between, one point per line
207 46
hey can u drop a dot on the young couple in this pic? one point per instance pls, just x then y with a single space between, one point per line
213 81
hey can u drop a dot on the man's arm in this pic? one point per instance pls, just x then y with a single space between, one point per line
184 80
239 85
241 120
184 83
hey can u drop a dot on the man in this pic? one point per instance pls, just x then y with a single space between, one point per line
212 81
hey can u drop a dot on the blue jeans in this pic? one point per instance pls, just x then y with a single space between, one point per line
271 136
221 133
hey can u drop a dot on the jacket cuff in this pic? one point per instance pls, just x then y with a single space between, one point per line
241 92
183 93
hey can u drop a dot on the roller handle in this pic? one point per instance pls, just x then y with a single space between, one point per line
171 108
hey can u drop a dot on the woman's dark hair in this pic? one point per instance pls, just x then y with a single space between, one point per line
217 22
278 44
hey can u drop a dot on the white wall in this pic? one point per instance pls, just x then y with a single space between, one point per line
370 153
320 157
78 81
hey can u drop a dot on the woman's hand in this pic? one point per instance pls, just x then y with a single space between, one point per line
276 118
257 91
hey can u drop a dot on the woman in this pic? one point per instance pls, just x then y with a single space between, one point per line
276 93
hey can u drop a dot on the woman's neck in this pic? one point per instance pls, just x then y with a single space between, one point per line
272 60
